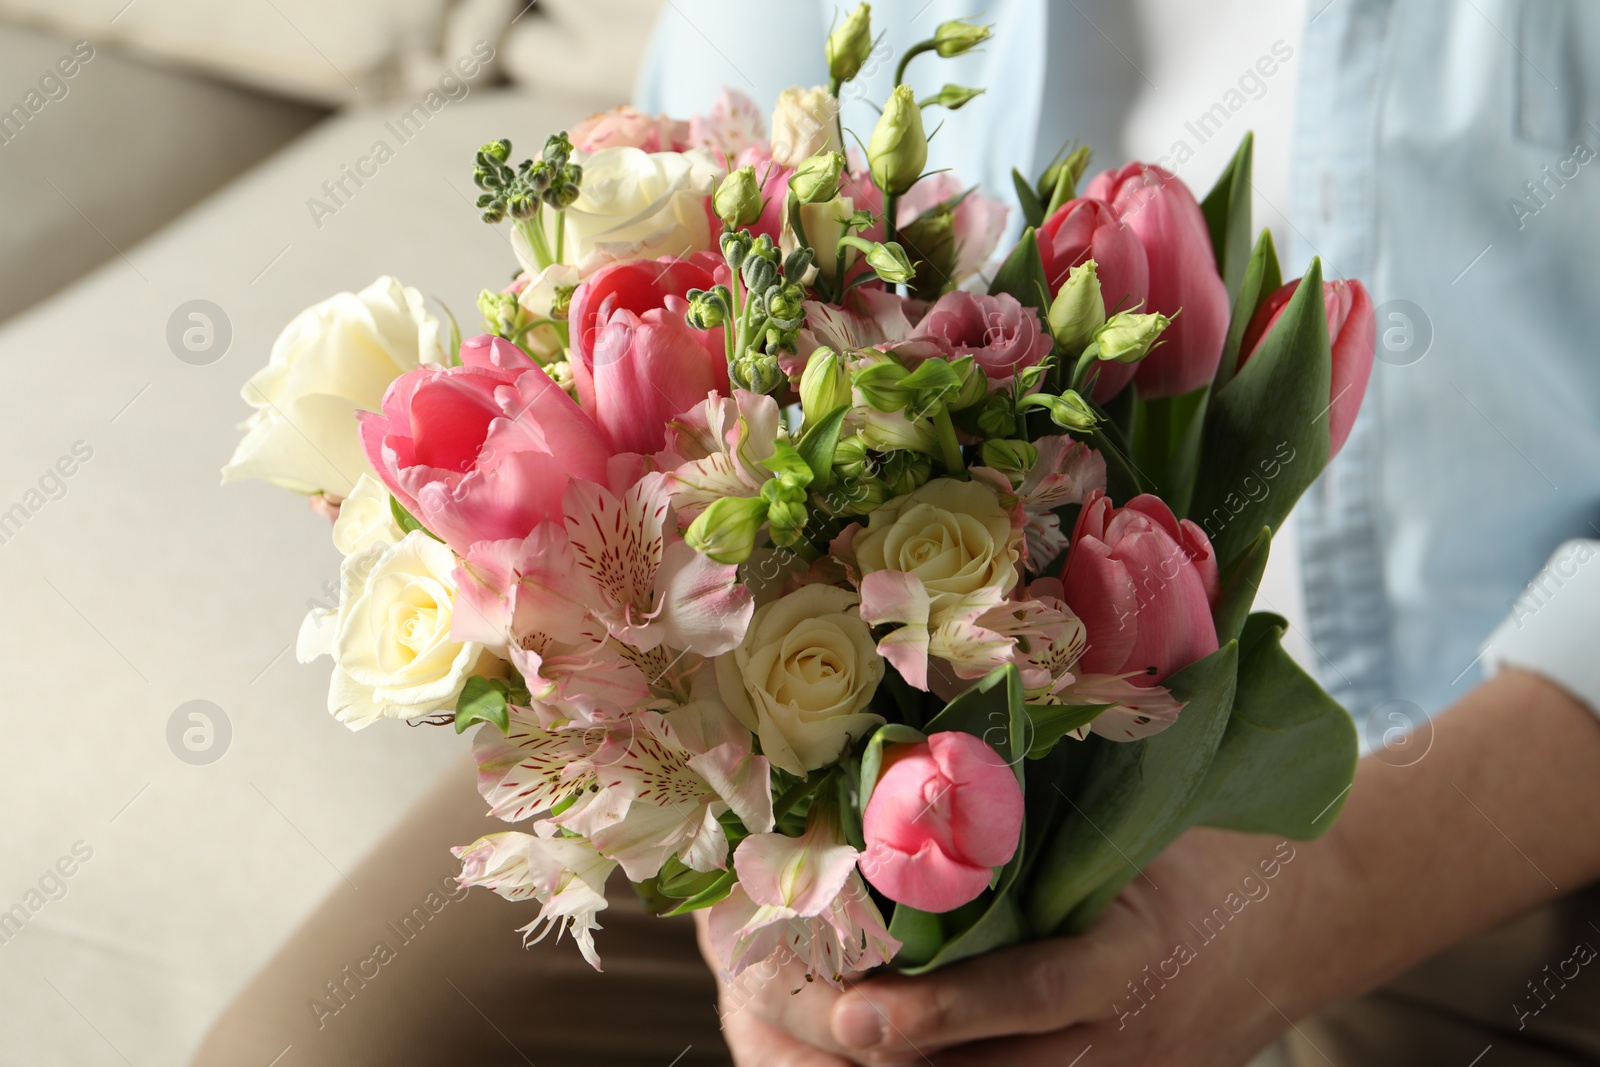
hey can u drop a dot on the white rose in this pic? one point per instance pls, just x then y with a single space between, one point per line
633 205
332 360
390 635
805 122
802 677
952 535
365 518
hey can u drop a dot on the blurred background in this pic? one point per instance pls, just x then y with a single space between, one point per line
160 160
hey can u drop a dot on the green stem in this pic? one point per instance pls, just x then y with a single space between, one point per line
949 447
561 234
730 337
905 61
834 85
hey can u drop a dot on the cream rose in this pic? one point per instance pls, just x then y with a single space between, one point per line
390 635
802 677
633 205
953 536
333 360
365 518
805 122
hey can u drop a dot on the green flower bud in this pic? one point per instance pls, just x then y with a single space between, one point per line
499 151
952 97
974 384
886 431
816 179
1078 309
850 44
1068 411
759 273
786 306
935 383
998 416
1010 457
824 385
737 200
1074 166
726 531
850 459
905 472
708 308
958 37
888 261
735 247
899 148
1128 336
758 372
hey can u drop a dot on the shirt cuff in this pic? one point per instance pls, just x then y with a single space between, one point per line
1554 625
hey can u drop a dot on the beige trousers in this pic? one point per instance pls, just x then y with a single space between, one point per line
401 968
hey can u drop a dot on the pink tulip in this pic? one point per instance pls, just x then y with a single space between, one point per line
1183 275
1085 229
1143 584
482 451
1352 332
945 813
1000 334
635 362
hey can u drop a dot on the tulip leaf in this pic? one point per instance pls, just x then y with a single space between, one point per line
1052 722
1032 209
1289 754
994 711
1130 803
872 755
1165 444
1266 431
1240 580
1022 275
1262 278
483 700
1227 211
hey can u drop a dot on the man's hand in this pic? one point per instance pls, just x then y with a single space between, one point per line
1126 987
1195 965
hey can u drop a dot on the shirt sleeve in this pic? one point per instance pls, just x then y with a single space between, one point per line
1554 626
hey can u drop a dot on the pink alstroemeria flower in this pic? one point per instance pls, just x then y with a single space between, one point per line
482 451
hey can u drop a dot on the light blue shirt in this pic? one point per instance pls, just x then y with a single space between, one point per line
1445 154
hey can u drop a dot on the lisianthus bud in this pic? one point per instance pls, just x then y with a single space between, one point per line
1068 411
816 179
958 37
974 384
850 44
726 531
1128 336
953 97
1011 457
737 201
1078 309
930 240
888 261
824 385
899 147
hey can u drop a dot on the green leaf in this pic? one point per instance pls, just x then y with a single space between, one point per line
1032 209
1227 211
1052 722
872 755
920 933
715 891
1065 189
407 521
819 443
483 700
1266 432
1240 580
1022 275
678 879
993 710
1130 803
1289 754
1262 278
1166 444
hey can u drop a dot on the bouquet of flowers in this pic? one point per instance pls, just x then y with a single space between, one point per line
775 554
